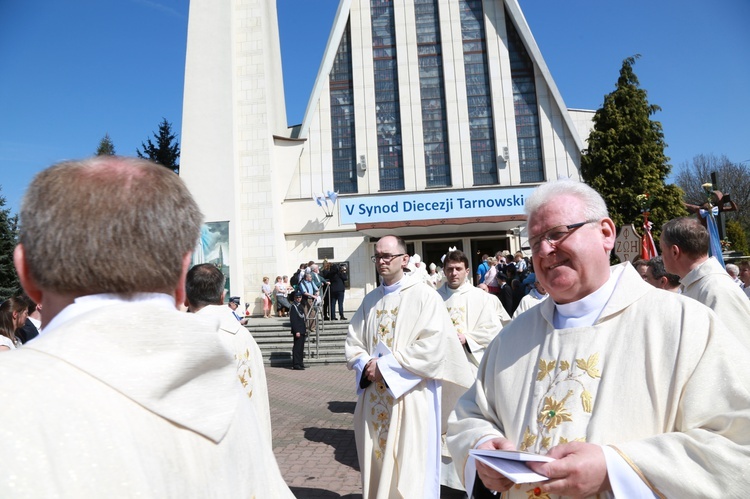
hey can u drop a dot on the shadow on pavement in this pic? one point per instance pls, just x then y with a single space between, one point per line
341 407
305 493
342 441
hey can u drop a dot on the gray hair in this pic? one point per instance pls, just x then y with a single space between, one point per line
732 269
594 207
108 224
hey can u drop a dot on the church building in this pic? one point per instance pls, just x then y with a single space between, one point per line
430 119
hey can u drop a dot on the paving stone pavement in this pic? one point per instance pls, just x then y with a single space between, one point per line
313 435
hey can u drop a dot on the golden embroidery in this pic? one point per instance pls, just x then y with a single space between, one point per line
244 372
386 326
380 412
528 440
380 400
590 365
545 368
552 413
586 401
458 318
537 493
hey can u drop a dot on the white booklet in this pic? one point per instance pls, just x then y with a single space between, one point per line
511 463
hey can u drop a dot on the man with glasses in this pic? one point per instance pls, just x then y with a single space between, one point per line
405 353
636 392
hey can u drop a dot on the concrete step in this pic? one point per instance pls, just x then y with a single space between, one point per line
275 341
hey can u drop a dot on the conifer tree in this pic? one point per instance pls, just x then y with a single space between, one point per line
625 156
106 146
8 234
166 152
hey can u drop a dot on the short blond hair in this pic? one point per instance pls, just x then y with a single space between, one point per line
108 224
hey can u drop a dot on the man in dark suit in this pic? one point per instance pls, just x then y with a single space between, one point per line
299 332
506 293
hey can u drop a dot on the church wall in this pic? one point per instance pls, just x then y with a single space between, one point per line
263 181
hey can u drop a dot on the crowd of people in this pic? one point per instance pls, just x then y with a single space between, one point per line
629 376
601 367
322 288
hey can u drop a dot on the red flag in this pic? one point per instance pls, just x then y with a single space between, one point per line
648 248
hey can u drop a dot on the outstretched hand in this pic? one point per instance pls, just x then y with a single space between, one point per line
579 470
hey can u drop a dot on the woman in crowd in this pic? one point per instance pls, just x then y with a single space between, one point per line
267 291
13 313
491 278
282 304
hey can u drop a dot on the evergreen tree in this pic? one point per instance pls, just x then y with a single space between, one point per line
165 152
106 147
8 237
736 236
625 156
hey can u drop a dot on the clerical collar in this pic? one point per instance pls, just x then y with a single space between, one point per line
536 294
586 311
84 304
393 288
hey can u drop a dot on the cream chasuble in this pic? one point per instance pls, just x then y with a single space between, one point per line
131 400
250 371
472 313
658 378
397 428
531 299
710 284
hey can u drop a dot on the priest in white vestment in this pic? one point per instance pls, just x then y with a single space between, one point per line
474 316
532 298
204 289
405 353
123 395
684 244
635 391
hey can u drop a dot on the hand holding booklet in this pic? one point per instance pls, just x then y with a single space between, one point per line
511 463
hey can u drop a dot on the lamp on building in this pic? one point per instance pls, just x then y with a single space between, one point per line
506 154
362 163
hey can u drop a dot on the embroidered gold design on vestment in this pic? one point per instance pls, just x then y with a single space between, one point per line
553 412
244 372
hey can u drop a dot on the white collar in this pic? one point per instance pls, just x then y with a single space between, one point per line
586 311
87 303
393 288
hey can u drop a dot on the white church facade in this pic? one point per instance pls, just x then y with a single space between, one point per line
429 119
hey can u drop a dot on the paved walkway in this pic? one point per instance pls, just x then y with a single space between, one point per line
313 436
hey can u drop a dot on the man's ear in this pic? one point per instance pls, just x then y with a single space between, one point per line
24 276
223 295
180 296
609 231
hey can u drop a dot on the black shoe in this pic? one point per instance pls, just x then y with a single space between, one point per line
343 319
298 368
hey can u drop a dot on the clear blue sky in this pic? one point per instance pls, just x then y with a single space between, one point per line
72 71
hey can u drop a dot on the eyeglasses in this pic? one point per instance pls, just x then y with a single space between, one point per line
555 235
385 258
